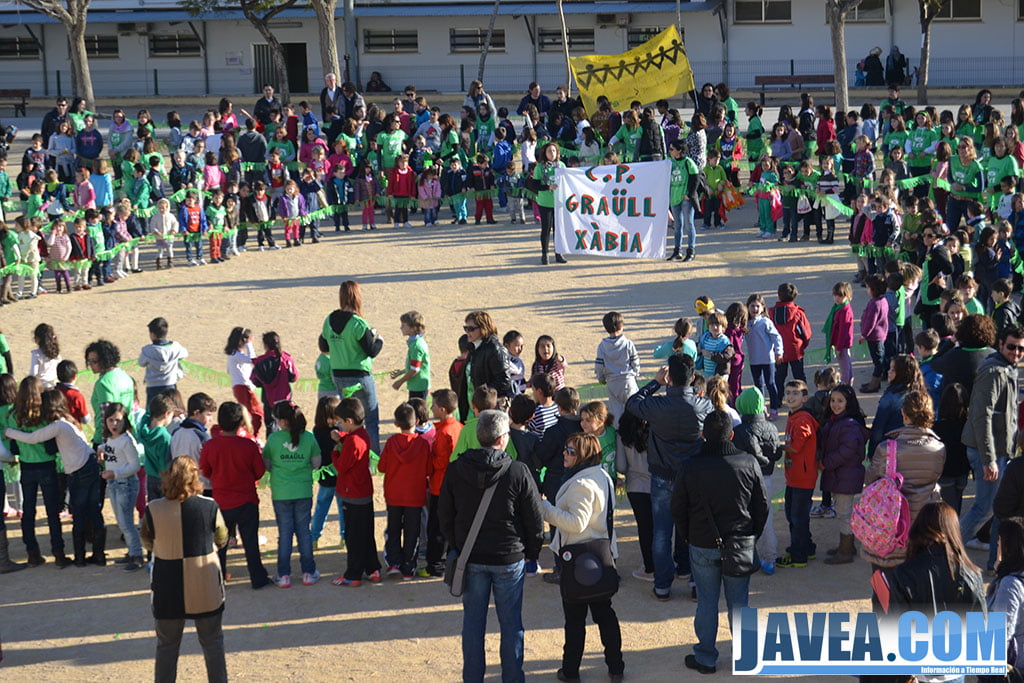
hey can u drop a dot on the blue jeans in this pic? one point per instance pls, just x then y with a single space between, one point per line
764 380
293 519
664 528
507 582
368 395
706 565
782 368
682 217
789 221
956 210
981 510
798 514
189 246
324 496
123 493
36 478
86 503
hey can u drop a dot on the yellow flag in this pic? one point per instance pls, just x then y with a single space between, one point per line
656 70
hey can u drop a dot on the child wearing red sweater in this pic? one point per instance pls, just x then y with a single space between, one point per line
447 429
233 464
355 488
406 465
402 186
801 445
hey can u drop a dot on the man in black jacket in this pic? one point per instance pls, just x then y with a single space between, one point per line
739 507
512 531
676 420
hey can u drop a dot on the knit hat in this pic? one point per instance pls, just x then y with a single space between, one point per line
703 307
750 402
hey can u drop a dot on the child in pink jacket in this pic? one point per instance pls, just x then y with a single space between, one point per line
874 327
840 329
428 190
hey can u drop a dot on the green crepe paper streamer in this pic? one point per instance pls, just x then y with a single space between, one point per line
323 472
12 473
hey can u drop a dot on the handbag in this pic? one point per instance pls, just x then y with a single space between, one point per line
455 565
588 569
738 557
803 205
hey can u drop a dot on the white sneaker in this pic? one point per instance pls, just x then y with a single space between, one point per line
760 235
407 225
976 544
817 511
192 262
283 581
642 575
262 248
202 261
397 225
310 579
277 246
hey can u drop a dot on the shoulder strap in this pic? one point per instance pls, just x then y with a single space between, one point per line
711 518
609 504
478 519
890 458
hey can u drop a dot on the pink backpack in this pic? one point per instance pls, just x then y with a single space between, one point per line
881 518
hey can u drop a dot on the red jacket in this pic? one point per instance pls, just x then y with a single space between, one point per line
233 465
402 183
826 131
791 322
801 447
352 460
447 436
405 464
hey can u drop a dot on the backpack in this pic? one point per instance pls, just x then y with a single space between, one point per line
265 371
881 518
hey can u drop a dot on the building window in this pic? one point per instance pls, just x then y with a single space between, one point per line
956 10
580 39
763 11
175 45
101 46
391 41
473 39
867 11
637 35
19 47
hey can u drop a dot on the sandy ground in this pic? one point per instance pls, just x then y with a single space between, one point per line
95 624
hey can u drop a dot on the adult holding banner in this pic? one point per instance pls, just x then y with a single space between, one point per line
549 163
681 185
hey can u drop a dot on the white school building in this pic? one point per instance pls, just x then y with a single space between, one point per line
149 47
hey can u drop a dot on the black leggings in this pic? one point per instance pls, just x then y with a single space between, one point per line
547 227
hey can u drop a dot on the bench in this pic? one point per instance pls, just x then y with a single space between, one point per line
793 81
17 99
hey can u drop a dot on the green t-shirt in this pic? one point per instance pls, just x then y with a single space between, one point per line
467 441
156 442
755 138
286 147
628 138
731 110
897 105
996 169
974 306
965 175
545 173
113 386
291 467
609 446
921 139
390 146
418 352
896 138
345 350
4 348
324 378
215 216
28 452
484 131
679 178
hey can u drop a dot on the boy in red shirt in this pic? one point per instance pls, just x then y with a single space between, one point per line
405 464
233 464
447 429
791 322
801 475
78 408
351 459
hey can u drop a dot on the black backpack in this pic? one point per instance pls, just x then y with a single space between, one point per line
265 371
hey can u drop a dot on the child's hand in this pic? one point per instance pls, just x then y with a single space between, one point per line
336 435
397 384
107 474
394 373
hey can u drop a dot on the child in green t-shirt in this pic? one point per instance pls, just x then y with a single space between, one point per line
715 174
416 375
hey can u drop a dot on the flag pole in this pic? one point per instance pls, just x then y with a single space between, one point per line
565 51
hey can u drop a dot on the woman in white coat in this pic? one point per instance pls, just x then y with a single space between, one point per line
580 514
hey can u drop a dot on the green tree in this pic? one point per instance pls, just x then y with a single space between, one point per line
836 12
71 13
259 13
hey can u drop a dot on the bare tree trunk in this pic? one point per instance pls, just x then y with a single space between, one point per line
837 28
324 10
276 52
565 50
926 48
487 42
81 77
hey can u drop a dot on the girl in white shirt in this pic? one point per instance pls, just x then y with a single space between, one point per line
121 468
44 358
240 352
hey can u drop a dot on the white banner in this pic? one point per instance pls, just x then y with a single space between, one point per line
613 210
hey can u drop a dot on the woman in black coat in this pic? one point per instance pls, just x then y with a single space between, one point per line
874 73
488 361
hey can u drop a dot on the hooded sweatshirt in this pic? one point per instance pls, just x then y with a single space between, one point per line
791 322
754 434
616 357
161 361
406 466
